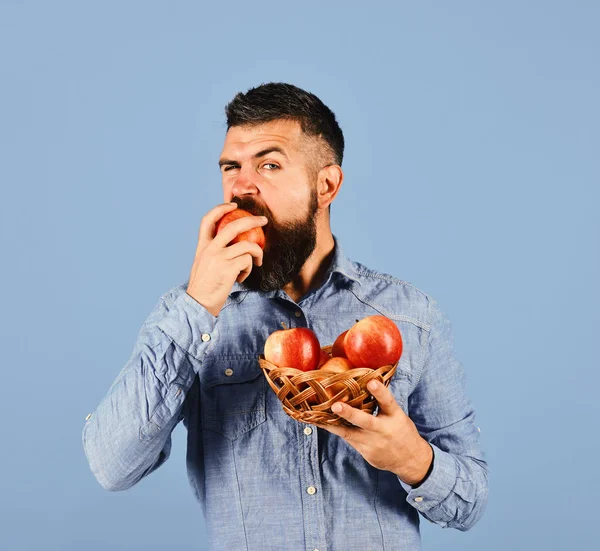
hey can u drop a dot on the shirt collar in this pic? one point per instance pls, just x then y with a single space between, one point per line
340 264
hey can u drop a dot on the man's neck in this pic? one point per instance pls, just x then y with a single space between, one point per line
313 272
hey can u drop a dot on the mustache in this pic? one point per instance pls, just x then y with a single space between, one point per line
252 207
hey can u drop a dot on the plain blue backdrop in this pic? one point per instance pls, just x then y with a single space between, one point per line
471 171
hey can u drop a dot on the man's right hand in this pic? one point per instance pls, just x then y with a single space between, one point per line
218 265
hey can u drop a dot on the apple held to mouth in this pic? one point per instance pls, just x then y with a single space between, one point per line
297 347
254 235
373 342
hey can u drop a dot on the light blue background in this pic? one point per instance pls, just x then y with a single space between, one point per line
471 171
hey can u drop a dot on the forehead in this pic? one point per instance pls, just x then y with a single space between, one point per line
245 140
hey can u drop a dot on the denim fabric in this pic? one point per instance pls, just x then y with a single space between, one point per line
249 464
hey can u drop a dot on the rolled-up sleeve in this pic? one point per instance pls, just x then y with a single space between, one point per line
128 436
455 493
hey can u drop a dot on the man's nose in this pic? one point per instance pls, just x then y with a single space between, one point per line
245 182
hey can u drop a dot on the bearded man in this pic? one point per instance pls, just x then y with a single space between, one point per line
264 480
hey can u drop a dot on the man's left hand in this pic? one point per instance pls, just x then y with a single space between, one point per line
389 441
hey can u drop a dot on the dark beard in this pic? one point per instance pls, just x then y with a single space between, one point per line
288 246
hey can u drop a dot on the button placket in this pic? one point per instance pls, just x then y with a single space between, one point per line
310 512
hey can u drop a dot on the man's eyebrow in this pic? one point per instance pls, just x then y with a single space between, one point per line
261 153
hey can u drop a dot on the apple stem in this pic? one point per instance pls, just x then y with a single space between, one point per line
284 325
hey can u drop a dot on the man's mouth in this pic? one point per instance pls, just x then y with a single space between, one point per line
251 208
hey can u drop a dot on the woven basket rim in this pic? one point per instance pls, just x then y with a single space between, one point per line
271 365
355 393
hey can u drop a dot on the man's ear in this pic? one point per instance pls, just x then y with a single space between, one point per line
329 182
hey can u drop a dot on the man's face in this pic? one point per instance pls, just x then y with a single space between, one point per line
279 185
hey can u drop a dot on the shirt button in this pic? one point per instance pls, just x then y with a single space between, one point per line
229 372
307 431
418 499
297 313
311 490
205 337
89 415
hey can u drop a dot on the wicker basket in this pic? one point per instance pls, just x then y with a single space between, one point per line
294 387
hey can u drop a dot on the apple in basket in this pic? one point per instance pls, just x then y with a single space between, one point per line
330 391
297 347
254 235
329 368
323 359
337 350
337 365
372 342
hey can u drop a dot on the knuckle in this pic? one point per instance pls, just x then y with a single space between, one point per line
387 433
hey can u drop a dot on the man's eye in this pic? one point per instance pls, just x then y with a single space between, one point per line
271 164
229 168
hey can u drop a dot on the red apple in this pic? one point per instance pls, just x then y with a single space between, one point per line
337 365
337 350
298 348
373 342
324 358
331 391
254 235
329 368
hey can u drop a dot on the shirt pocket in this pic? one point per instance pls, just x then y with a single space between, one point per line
233 397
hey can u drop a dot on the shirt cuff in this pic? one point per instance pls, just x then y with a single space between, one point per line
437 486
188 323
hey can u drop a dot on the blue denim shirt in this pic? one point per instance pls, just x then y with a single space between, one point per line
265 481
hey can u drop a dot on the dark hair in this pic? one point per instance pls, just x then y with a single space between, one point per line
278 100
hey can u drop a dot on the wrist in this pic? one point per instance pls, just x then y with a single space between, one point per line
421 466
213 309
429 468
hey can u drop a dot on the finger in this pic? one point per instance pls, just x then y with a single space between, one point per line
244 247
233 229
349 434
244 266
385 398
356 416
209 221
